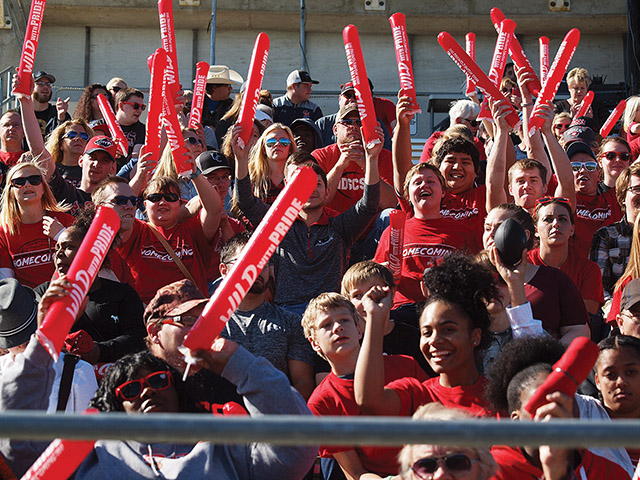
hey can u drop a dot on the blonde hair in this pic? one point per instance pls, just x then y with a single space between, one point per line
365 271
259 170
633 104
166 166
54 142
633 265
415 170
323 303
11 212
579 75
436 411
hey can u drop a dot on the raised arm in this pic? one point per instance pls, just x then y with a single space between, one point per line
211 206
497 160
401 148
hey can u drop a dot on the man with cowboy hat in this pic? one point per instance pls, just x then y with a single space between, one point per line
220 81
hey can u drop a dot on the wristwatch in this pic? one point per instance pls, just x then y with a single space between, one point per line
195 174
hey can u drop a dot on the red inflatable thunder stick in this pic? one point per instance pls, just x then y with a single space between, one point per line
168 35
199 87
613 118
396 243
157 64
470 68
251 261
360 84
174 132
114 127
30 46
568 373
586 103
544 58
556 73
403 58
82 273
517 53
470 47
61 458
499 60
252 90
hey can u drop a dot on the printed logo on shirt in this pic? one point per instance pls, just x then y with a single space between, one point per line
163 256
353 184
459 213
596 214
428 251
34 254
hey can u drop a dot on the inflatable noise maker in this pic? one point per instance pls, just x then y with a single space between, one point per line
613 118
251 261
403 58
360 84
157 62
199 88
396 242
82 272
470 68
30 46
470 46
586 103
252 90
168 36
114 127
544 58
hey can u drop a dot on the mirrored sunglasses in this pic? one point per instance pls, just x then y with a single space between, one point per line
271 142
73 134
588 166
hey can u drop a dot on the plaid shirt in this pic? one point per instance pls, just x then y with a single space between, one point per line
610 249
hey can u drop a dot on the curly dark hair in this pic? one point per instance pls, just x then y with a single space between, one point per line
128 368
462 282
616 342
516 356
83 110
457 144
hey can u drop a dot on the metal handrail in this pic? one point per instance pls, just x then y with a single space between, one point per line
308 430
7 100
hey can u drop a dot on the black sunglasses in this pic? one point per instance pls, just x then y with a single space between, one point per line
168 197
193 140
22 181
473 123
351 121
455 463
122 200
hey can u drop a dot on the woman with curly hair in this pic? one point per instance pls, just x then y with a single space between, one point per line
454 328
66 145
87 108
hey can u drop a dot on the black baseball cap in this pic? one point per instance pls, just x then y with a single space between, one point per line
210 161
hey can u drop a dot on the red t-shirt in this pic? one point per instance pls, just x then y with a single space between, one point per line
29 252
10 158
425 241
351 184
593 212
152 266
469 207
514 466
413 393
213 271
555 300
334 396
584 273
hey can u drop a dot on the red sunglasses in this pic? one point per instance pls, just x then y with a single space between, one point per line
132 389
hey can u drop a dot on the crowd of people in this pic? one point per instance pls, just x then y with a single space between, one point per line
334 324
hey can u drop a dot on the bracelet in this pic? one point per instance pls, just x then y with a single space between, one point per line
527 104
195 174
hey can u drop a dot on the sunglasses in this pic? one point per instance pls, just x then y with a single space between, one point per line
456 463
271 142
351 121
22 181
541 202
588 166
181 320
122 200
132 389
168 197
624 156
116 89
44 84
473 123
193 141
73 134
137 106
561 126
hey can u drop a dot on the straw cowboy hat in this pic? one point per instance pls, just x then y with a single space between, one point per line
223 74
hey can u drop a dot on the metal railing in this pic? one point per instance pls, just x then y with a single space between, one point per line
307 430
7 100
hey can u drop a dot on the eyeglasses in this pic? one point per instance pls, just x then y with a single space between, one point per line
561 126
122 200
473 123
193 141
137 106
271 142
44 84
635 189
73 134
132 389
22 181
456 463
624 156
116 89
181 320
588 166
168 197
351 121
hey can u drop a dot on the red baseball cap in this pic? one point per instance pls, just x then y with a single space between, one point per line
103 144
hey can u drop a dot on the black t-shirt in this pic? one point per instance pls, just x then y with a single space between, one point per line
134 134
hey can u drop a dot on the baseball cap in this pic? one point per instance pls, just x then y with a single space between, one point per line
41 74
579 147
210 161
18 310
345 87
103 144
630 295
346 110
173 299
585 122
578 133
300 76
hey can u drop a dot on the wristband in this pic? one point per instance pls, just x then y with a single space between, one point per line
55 239
530 104
195 174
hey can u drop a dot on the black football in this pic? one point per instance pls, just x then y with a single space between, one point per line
510 240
